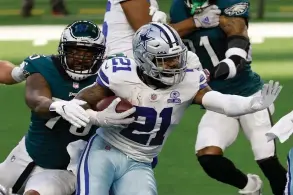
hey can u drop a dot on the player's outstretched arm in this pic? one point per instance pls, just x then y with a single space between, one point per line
136 12
238 47
38 95
234 105
9 73
39 99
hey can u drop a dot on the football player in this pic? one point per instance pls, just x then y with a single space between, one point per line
38 164
159 85
121 21
226 52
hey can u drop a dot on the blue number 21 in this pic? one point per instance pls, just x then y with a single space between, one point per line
141 132
123 64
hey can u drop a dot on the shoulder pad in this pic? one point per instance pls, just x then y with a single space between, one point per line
195 78
31 64
234 8
114 70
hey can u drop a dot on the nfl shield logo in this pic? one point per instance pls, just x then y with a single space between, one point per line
75 85
153 97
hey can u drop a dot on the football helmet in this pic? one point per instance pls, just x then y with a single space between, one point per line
81 49
160 53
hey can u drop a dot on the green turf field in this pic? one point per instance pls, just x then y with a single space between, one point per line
178 172
275 10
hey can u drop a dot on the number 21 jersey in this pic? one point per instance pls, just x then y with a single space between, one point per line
157 111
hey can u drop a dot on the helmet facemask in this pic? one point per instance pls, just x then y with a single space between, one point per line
168 69
81 61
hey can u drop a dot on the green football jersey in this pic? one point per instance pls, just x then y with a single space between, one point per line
210 44
46 140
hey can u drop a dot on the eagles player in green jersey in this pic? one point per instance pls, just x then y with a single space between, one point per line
225 51
38 165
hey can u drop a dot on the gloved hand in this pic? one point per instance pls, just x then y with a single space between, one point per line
110 118
208 18
71 111
269 94
157 16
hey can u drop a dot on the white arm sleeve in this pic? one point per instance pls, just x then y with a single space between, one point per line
17 74
230 105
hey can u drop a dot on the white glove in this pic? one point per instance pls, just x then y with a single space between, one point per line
157 16
208 18
269 94
71 111
110 118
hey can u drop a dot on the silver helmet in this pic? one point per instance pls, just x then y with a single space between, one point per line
81 48
160 53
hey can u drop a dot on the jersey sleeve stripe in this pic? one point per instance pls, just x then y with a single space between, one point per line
102 79
202 81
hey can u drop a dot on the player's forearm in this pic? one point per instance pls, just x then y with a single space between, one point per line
6 69
230 105
185 27
41 106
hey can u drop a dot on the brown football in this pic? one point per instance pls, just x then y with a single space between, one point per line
122 106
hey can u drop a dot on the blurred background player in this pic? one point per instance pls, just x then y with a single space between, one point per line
121 21
226 52
58 7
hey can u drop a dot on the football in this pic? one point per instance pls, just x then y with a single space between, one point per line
122 106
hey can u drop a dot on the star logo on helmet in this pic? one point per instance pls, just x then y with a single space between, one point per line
144 38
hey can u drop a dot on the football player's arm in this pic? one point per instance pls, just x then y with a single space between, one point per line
38 96
10 74
131 9
184 27
238 46
93 94
234 105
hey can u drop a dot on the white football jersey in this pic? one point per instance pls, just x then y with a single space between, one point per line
157 111
117 30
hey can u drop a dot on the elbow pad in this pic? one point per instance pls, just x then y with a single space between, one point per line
235 60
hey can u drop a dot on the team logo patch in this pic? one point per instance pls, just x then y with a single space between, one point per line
75 85
153 97
237 9
25 73
174 97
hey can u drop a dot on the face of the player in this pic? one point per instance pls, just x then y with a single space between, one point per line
80 58
168 63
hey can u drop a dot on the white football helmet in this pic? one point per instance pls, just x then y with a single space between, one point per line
81 49
160 53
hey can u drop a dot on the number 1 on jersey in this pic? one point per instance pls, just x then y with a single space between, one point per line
204 41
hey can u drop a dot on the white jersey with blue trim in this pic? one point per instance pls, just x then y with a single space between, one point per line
117 30
157 111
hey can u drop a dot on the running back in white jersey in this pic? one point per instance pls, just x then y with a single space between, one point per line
117 30
157 111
